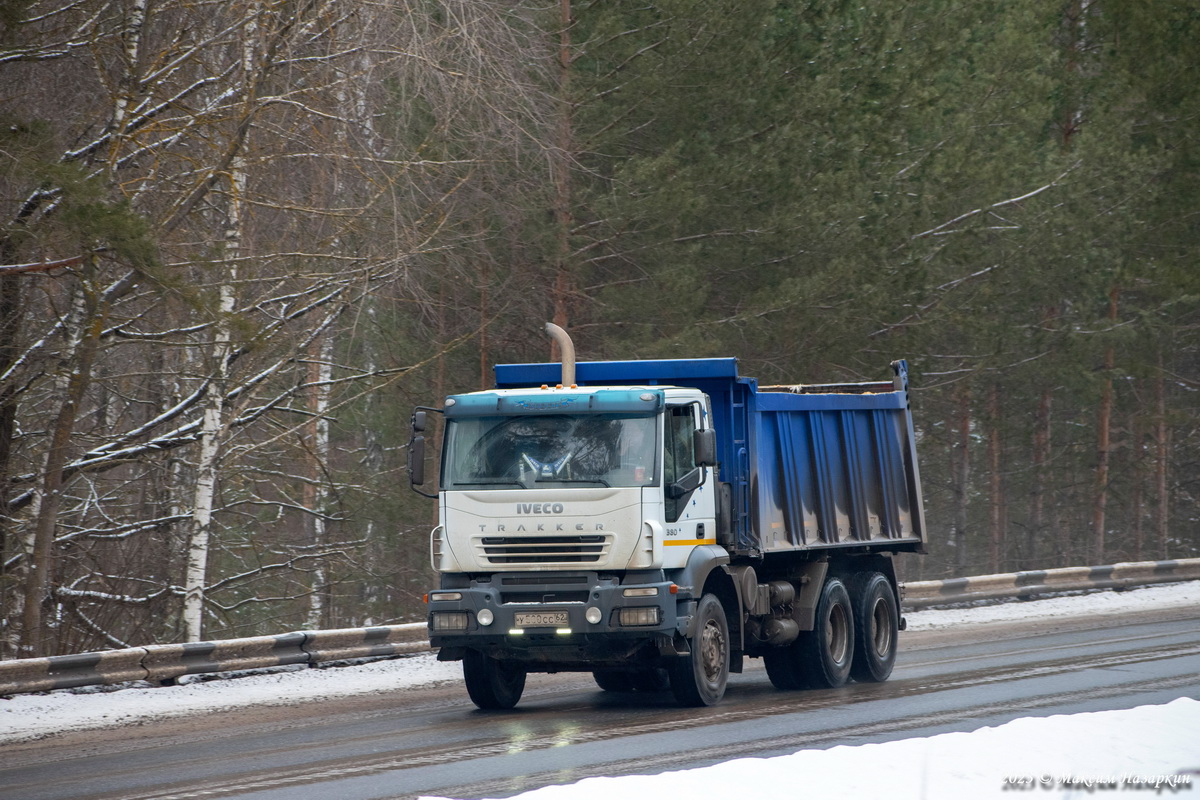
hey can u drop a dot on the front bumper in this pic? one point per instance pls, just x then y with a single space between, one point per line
568 621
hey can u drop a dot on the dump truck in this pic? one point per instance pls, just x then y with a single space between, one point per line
657 522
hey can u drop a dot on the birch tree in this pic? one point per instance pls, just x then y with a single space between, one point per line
210 135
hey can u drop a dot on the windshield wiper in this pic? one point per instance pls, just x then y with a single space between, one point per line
600 481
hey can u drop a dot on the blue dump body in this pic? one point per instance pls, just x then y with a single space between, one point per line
808 467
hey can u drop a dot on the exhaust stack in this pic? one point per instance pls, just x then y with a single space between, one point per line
567 348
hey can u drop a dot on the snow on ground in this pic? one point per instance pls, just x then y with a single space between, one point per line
1094 604
1150 748
31 716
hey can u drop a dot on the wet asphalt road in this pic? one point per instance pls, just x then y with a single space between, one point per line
433 741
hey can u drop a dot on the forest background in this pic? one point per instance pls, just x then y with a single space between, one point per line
241 239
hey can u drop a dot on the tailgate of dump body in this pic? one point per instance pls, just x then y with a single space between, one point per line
835 470
810 467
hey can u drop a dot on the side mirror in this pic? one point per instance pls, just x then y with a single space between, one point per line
704 444
416 450
416 460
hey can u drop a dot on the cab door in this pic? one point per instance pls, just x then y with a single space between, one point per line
689 489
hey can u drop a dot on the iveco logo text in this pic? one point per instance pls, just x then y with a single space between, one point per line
539 508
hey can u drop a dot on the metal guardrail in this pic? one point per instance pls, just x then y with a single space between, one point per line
164 663
925 594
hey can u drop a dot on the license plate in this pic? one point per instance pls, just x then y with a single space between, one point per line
542 619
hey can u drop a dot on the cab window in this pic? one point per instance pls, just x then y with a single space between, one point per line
679 456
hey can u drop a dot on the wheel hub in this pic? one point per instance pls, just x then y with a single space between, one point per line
712 649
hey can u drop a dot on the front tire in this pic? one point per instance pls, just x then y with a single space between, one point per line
876 627
493 685
699 678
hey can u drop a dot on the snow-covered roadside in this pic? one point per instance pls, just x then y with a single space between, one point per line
31 716
1094 604
1149 750
25 717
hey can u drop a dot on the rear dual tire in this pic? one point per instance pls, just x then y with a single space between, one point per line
876 627
820 658
855 635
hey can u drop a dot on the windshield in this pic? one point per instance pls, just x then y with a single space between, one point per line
554 450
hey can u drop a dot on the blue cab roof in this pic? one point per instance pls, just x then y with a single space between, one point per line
658 372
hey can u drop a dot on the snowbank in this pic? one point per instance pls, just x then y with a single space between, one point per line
1148 750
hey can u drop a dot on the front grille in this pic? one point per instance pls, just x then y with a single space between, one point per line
588 549
537 580
542 598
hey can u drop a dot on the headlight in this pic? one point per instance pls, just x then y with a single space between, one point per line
638 617
485 617
449 621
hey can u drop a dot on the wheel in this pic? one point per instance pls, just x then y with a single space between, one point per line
876 627
650 680
492 684
613 681
782 669
699 678
819 658
826 652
